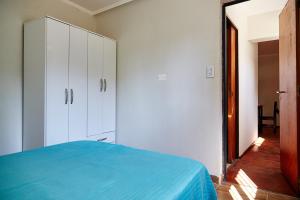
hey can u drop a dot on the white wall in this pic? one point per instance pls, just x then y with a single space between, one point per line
264 27
13 13
182 115
248 81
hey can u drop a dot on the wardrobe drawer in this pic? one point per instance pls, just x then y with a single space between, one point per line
104 137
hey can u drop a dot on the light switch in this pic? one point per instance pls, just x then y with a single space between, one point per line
210 71
162 77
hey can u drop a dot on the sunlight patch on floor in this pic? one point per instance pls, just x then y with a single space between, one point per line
234 193
246 184
259 141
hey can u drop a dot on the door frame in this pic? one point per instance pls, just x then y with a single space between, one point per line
224 84
230 23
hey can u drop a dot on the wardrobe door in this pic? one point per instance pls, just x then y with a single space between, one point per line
95 83
78 84
109 91
57 54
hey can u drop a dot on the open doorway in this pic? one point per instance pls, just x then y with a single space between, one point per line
268 84
260 93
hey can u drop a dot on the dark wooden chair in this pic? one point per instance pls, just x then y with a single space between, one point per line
262 118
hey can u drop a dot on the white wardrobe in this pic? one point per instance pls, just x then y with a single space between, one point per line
69 84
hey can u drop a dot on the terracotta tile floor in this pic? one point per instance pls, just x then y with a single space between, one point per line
235 192
260 166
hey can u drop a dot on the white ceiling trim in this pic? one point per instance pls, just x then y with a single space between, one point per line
118 3
78 7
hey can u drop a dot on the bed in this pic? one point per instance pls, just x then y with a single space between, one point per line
89 170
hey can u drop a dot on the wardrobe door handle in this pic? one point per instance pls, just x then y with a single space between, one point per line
72 96
281 92
101 140
101 85
66 96
104 85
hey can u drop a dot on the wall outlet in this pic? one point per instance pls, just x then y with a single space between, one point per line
162 77
210 71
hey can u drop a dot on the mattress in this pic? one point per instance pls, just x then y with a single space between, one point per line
88 170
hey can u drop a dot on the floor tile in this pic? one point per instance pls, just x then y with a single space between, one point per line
260 166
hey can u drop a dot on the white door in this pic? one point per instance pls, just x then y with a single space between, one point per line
78 84
109 91
57 82
95 83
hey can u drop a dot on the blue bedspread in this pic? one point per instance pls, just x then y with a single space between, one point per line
94 171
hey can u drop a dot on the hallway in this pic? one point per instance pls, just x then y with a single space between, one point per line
260 166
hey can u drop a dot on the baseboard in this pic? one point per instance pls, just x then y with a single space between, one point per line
248 149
